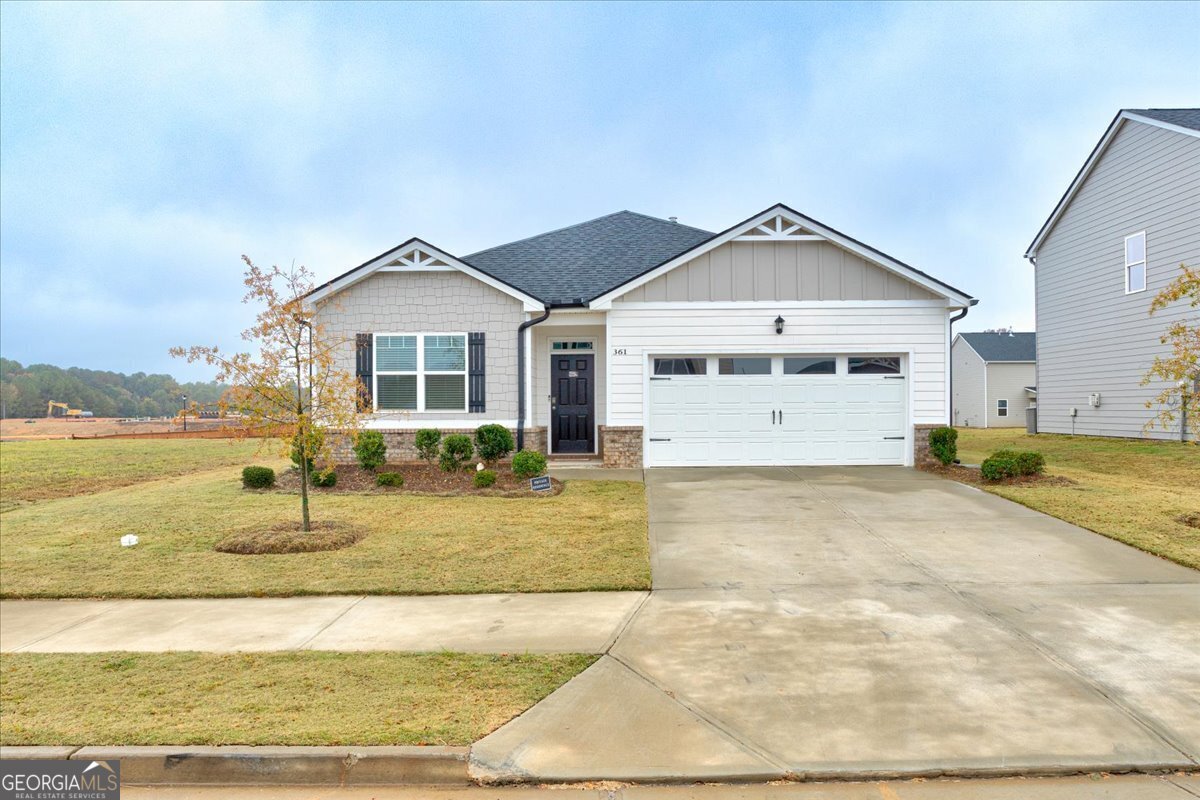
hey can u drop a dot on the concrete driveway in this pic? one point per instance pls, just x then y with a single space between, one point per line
873 622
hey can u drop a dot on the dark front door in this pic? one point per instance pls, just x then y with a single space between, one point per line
572 403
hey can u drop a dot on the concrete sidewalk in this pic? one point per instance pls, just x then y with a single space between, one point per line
576 622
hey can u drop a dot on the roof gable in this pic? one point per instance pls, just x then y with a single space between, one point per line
1002 346
1180 120
581 261
416 255
781 223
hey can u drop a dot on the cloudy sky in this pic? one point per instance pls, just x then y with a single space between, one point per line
145 147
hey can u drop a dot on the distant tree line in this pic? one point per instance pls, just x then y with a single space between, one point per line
24 391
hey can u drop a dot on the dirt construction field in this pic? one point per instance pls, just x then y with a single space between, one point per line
63 428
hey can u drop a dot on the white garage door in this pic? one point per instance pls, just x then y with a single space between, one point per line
777 409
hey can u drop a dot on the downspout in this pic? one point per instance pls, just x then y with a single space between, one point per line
529 323
950 355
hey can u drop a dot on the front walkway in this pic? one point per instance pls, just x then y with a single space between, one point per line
872 622
577 622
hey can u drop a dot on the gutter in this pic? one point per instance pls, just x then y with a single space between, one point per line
521 400
950 360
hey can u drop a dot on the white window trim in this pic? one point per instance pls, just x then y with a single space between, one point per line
1000 408
420 373
1144 262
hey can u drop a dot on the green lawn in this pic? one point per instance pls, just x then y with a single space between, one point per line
1129 489
591 537
48 469
296 698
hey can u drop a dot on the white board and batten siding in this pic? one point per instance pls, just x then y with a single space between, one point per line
915 330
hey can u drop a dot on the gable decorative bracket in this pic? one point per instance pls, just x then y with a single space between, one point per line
418 259
779 229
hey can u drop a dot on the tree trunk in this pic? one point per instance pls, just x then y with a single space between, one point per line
303 432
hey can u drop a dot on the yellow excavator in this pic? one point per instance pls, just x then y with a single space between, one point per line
54 409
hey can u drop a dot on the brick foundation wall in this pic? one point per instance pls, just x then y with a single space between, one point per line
401 447
621 447
921 455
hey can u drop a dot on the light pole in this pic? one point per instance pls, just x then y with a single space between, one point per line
184 412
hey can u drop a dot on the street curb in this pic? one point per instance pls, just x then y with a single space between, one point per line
271 765
54 753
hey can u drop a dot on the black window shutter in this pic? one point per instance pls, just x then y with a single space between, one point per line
364 368
475 374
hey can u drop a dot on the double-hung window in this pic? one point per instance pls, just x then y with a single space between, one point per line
421 372
1001 408
1135 263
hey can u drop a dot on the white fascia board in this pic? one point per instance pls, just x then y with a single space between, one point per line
1090 164
381 262
717 305
604 301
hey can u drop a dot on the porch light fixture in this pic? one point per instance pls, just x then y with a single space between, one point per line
779 325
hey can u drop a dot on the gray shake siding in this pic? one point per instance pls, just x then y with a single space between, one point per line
1092 336
432 302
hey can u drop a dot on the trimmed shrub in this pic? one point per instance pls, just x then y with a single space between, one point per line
370 450
325 478
456 451
428 442
943 444
484 478
493 442
1011 464
316 440
258 478
389 479
528 464
1030 462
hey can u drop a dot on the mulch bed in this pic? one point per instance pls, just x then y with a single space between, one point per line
420 478
971 475
288 538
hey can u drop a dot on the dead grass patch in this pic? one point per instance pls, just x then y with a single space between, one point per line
287 537
1191 519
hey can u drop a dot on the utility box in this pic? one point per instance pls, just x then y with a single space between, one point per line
1031 419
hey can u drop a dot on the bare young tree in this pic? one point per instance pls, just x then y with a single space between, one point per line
1181 369
292 390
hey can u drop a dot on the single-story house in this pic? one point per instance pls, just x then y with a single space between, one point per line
1116 238
638 341
992 380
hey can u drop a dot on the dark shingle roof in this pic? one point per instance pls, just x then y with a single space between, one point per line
1003 346
1183 117
583 261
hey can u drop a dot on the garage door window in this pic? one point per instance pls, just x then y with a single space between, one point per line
809 365
874 365
744 366
680 366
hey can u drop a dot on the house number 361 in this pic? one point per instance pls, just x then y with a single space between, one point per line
620 351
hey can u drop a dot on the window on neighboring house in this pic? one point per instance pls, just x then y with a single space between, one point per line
1135 263
421 372
1001 408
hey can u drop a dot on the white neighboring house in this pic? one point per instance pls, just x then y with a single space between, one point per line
993 378
638 341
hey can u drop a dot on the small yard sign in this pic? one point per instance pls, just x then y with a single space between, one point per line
541 484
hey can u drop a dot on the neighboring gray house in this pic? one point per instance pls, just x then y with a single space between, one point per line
1117 237
993 378
640 341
